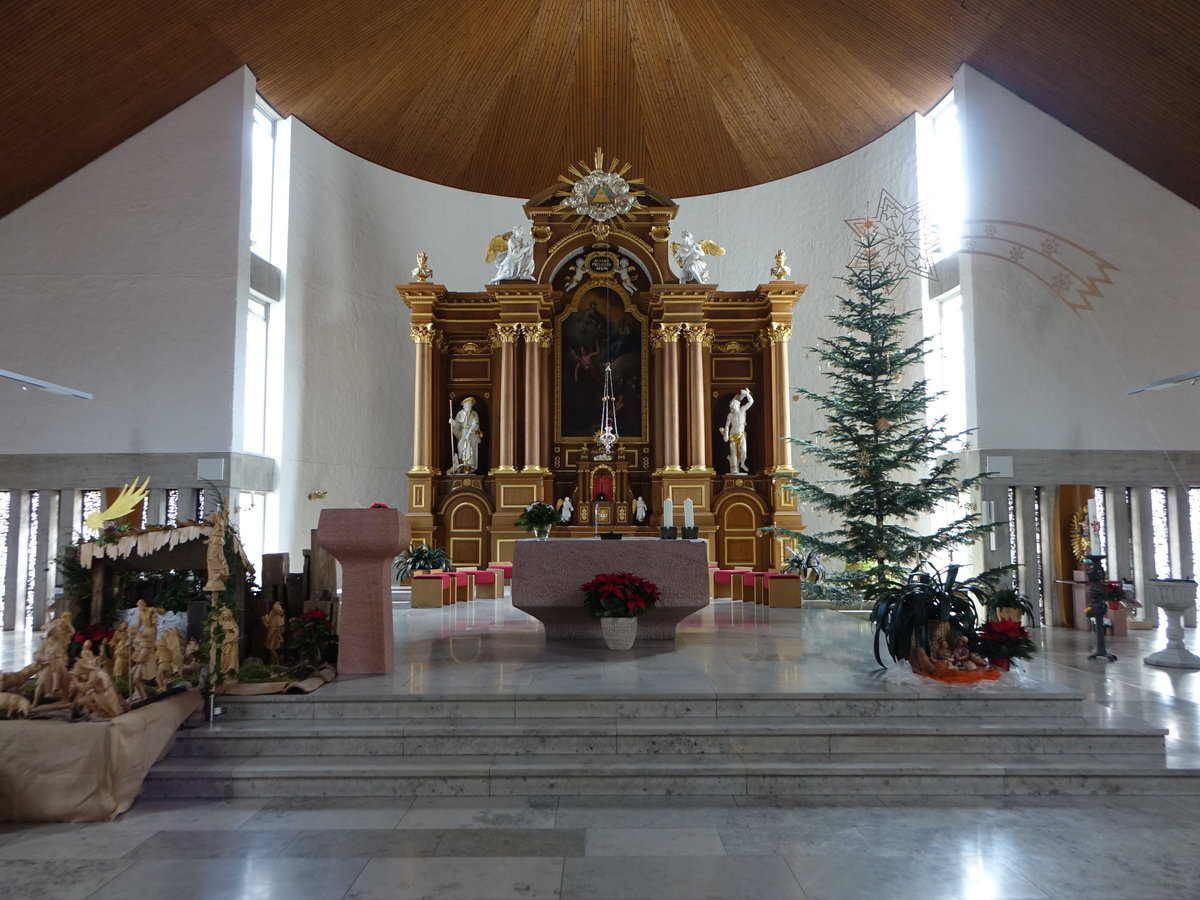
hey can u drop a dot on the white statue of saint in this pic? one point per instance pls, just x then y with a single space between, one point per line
515 260
626 275
734 431
690 253
566 511
467 434
639 510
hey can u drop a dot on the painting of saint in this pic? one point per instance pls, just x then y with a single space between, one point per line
596 332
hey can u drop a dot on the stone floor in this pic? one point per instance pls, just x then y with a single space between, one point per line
623 848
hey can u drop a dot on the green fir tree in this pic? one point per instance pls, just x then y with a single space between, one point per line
891 466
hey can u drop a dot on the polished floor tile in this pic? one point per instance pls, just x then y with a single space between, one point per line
976 847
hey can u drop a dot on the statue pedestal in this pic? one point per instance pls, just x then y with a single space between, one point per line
364 541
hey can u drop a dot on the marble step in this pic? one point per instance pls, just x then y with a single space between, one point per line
935 701
762 735
629 774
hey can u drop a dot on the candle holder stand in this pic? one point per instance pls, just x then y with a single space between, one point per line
668 534
1097 605
690 534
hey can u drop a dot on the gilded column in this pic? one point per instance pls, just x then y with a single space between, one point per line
777 336
669 333
504 335
537 336
696 336
423 336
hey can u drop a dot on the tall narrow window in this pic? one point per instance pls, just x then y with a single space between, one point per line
93 502
5 500
1014 556
1160 529
254 434
1100 495
945 364
1193 520
31 557
1040 561
1127 512
172 507
262 180
252 523
940 173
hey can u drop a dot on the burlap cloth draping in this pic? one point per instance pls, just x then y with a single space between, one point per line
53 771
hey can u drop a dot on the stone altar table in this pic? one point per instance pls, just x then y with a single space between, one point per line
547 575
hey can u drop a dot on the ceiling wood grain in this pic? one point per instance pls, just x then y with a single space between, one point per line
699 95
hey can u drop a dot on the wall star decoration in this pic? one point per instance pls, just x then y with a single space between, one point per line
899 229
1071 272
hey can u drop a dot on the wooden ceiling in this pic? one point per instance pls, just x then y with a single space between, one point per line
499 96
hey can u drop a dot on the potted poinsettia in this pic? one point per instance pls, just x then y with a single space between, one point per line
617 599
1004 640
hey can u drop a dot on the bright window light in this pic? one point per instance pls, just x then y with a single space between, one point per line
940 173
262 181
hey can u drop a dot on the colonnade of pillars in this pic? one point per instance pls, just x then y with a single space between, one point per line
34 526
1130 550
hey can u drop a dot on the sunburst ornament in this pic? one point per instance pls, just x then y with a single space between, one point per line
600 194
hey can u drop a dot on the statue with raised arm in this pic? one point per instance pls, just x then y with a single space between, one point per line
689 254
512 252
566 511
639 510
734 431
464 427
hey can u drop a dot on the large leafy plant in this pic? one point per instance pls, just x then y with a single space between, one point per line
903 611
421 558
619 595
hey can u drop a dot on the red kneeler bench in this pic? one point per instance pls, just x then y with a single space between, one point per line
748 587
722 581
489 583
506 568
433 590
783 590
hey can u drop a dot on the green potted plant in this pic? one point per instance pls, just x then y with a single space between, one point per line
538 517
928 607
807 565
617 599
421 558
1009 603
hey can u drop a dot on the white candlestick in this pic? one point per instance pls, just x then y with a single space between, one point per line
1093 525
668 514
689 519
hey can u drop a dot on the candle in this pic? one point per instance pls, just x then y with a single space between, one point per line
668 514
689 519
1093 529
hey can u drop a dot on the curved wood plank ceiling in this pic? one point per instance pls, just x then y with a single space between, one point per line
499 96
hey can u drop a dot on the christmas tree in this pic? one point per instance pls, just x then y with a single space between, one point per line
890 466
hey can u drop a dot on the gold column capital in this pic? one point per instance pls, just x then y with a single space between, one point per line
697 333
537 333
775 333
666 333
504 333
426 333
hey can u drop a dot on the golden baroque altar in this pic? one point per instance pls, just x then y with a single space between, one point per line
531 353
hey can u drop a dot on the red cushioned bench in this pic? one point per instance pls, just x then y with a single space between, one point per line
433 590
783 590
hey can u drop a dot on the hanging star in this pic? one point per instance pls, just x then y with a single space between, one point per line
883 423
899 231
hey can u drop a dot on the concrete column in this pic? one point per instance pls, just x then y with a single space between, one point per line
18 559
698 455
781 393
423 337
995 544
1182 563
1143 548
43 563
505 335
669 405
1119 532
536 336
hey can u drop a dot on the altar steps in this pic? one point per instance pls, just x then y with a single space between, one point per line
889 742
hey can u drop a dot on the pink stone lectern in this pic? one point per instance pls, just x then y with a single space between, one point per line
364 541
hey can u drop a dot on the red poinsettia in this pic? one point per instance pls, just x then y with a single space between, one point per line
1005 640
619 594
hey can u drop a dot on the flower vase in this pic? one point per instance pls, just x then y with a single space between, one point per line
619 631
541 532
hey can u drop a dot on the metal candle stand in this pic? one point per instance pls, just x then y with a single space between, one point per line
1098 605
668 534
690 534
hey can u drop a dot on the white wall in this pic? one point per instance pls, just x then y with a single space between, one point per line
124 280
354 233
1047 378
